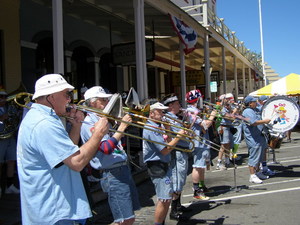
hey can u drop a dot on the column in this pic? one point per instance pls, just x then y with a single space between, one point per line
207 65
224 71
244 81
95 60
250 81
141 68
182 74
236 87
58 42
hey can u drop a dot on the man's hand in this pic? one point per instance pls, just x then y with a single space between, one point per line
101 127
76 116
127 119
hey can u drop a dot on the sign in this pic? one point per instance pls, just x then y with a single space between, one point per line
214 76
193 77
125 54
213 86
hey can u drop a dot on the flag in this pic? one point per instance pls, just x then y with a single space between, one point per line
255 76
186 34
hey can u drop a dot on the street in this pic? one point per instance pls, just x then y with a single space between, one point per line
276 201
234 200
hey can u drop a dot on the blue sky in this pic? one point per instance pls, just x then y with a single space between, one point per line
281 29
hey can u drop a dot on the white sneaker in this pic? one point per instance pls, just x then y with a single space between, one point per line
261 176
254 179
12 190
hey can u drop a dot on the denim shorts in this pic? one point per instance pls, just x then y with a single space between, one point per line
255 154
227 136
163 186
237 137
122 193
201 155
179 166
8 149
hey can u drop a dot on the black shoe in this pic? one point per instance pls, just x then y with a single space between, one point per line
206 190
177 216
183 209
199 194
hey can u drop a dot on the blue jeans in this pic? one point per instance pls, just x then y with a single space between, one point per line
179 165
122 193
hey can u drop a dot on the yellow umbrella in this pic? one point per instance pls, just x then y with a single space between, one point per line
288 85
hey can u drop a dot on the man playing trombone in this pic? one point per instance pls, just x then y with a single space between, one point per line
179 159
157 156
111 161
49 161
202 147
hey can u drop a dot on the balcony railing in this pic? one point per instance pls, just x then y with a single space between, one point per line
206 17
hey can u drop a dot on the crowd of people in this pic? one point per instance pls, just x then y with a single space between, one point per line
51 155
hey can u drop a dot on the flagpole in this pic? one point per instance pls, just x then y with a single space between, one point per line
262 43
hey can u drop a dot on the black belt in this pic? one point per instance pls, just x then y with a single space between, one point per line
113 166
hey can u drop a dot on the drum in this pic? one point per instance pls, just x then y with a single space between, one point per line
283 113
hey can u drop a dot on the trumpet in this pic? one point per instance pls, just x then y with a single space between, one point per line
138 124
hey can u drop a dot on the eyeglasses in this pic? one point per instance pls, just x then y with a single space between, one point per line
68 94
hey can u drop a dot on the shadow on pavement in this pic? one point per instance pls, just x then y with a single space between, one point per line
285 171
198 207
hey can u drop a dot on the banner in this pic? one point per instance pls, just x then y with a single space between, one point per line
186 34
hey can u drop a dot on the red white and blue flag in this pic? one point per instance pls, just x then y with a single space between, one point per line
186 34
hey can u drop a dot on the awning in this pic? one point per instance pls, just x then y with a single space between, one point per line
288 85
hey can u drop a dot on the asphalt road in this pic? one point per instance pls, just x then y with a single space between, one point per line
236 201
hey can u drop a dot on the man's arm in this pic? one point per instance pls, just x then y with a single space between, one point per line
86 152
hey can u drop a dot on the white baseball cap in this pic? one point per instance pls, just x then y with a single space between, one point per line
49 84
158 105
96 92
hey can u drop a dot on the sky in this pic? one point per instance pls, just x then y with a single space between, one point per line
280 29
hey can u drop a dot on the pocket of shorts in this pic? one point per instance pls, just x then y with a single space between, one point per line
157 169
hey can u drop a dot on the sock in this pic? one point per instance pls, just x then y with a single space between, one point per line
235 148
201 184
196 186
264 166
9 181
219 161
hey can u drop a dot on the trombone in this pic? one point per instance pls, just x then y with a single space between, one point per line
141 125
26 97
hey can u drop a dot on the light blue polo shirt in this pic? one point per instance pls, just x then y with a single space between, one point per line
181 143
101 160
48 194
152 151
252 134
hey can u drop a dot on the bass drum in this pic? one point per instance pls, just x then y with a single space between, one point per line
283 112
